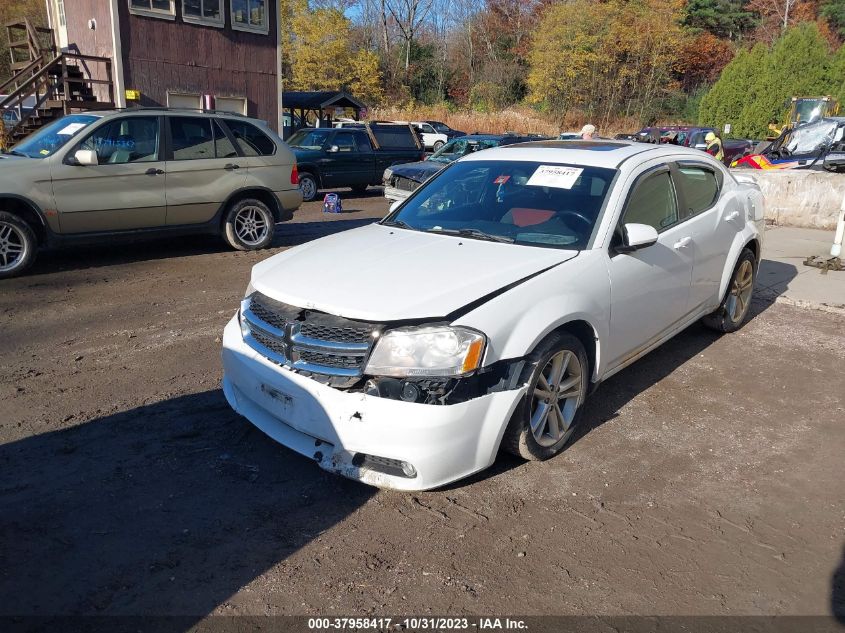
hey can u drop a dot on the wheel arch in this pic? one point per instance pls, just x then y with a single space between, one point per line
28 212
742 242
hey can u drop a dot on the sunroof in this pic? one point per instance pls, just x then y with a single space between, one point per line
590 146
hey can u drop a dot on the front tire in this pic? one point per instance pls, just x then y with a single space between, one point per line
733 310
557 374
18 245
308 186
249 225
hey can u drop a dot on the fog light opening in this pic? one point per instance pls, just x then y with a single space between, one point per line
386 465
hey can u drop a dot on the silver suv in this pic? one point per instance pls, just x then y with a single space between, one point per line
86 177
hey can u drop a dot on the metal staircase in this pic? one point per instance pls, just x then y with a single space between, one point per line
47 83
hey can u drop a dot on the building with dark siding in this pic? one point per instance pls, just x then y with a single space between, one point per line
213 54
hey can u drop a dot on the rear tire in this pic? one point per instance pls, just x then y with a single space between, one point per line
437 145
18 245
734 308
308 186
557 374
249 225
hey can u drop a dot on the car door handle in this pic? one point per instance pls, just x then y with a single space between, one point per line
732 216
682 243
231 166
152 171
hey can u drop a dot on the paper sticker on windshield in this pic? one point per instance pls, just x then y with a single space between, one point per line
501 180
71 129
555 176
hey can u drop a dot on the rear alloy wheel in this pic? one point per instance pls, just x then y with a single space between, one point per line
557 375
437 145
734 308
17 245
249 225
308 186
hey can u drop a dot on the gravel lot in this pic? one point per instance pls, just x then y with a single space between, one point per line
708 478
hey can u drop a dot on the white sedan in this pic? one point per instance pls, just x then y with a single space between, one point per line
481 312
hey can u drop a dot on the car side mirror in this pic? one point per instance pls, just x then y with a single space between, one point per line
637 236
333 149
86 157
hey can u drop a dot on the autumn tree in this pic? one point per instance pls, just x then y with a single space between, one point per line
701 59
321 58
607 58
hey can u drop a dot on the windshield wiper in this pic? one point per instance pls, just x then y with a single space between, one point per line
14 152
474 234
399 223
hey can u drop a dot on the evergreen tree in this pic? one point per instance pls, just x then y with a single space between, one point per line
834 12
722 18
726 99
796 66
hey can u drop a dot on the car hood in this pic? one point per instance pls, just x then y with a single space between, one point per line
381 273
418 172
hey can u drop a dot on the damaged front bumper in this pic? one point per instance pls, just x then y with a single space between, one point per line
380 441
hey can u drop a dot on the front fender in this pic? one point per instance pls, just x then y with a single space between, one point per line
516 321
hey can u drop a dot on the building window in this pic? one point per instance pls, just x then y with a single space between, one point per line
156 8
250 15
184 100
60 10
203 12
230 104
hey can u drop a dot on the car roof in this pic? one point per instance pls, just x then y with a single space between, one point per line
598 153
147 111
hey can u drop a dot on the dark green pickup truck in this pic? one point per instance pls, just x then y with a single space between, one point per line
353 156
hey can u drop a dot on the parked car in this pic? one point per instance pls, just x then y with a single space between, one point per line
96 176
431 138
442 128
490 304
401 181
352 156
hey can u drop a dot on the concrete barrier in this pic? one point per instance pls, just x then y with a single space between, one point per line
797 197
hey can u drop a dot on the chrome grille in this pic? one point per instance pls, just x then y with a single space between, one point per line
306 340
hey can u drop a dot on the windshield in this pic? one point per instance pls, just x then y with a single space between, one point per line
51 138
808 139
807 109
309 139
531 203
453 150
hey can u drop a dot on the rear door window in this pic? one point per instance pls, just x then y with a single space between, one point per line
700 188
191 138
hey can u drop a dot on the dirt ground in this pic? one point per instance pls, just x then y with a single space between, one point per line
707 479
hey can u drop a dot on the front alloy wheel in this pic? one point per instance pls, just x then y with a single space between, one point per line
17 245
557 376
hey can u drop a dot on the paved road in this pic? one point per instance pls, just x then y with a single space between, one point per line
708 478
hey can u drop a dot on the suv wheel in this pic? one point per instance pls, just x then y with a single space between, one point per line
249 225
557 374
308 186
17 245
437 145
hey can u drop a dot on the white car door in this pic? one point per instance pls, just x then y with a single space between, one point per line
649 287
714 218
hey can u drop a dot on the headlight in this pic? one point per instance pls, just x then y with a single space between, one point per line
427 351
388 173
